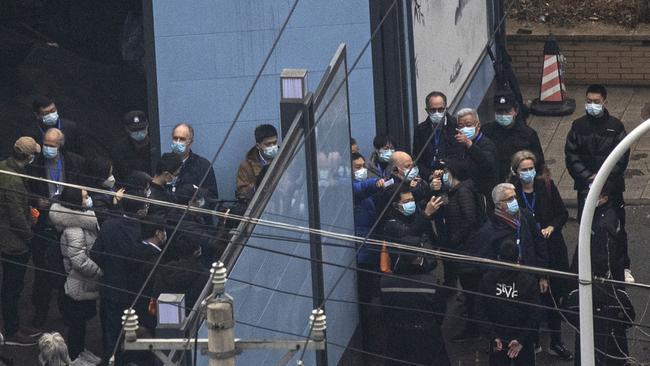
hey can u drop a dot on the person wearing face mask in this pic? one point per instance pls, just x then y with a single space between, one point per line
134 151
589 142
377 164
166 169
511 222
438 130
461 216
16 232
194 166
480 152
262 154
62 166
119 254
73 216
510 134
402 173
45 115
412 336
98 173
542 198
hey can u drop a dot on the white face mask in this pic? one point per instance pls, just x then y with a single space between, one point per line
50 119
361 174
109 182
88 203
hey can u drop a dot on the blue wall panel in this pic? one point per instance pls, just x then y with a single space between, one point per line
209 51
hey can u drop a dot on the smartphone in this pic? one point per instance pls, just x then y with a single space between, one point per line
389 183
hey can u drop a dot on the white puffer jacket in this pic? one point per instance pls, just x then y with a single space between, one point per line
79 233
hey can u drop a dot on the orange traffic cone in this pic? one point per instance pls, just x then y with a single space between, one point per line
552 99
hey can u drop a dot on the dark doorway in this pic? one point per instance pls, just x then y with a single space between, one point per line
87 54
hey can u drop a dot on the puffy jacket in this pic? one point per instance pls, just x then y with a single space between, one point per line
510 140
588 144
461 215
79 233
443 145
15 226
249 169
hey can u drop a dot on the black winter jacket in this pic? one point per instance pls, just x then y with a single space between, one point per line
121 237
588 144
481 160
443 145
510 140
502 318
486 242
192 172
460 215
128 158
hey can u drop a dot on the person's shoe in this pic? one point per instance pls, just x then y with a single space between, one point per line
20 339
538 348
628 276
559 350
90 357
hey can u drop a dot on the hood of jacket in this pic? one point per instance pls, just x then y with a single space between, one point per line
63 217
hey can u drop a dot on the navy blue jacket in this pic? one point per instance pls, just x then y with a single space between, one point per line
192 172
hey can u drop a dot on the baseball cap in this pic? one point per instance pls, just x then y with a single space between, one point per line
135 120
504 101
27 146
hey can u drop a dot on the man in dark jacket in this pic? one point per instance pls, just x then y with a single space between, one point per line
443 145
412 336
133 152
510 134
167 168
480 153
591 139
262 154
15 233
402 169
509 325
194 166
46 116
59 165
117 243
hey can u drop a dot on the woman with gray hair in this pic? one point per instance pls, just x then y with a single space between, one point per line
52 350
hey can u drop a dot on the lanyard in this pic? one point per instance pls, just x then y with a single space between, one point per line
518 223
530 205
435 145
56 173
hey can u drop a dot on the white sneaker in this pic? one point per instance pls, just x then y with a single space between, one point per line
90 357
628 276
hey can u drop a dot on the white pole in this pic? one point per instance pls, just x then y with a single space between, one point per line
584 244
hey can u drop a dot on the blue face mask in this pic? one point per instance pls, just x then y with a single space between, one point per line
436 117
594 109
527 176
408 208
138 135
50 152
271 151
411 174
179 147
469 132
51 119
513 207
385 154
504 120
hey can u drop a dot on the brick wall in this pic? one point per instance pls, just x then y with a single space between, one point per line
611 60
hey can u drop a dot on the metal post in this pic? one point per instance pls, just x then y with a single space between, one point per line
584 244
316 250
221 321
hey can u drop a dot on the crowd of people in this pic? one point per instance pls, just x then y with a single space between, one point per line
468 188
484 190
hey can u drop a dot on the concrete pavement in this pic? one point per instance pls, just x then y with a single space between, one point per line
628 103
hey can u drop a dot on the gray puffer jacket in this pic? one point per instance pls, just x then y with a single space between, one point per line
79 233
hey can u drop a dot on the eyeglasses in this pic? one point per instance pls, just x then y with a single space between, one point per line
439 110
